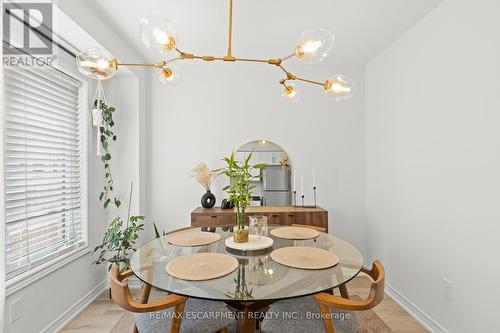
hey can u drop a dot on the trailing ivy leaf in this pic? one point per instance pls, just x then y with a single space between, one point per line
101 196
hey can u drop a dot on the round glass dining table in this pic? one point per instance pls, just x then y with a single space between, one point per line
257 279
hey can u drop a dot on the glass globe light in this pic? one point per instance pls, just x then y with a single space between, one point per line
168 77
339 87
314 45
96 63
158 33
290 94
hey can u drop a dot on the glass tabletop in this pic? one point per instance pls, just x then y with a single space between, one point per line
257 277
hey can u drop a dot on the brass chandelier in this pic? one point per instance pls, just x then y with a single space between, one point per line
158 33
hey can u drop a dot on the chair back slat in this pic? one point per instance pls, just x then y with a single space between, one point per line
315 227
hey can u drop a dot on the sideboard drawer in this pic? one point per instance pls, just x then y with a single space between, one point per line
212 219
275 218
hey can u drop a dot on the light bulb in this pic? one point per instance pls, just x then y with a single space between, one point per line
96 63
290 94
314 45
102 64
158 33
339 87
168 77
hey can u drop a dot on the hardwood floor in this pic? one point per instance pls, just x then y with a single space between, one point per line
103 314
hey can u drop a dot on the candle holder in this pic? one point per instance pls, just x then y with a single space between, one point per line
314 193
314 197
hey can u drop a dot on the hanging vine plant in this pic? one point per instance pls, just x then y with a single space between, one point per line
106 137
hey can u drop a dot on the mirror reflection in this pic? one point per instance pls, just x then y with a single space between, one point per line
273 187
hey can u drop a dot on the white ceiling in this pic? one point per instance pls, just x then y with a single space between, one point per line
269 28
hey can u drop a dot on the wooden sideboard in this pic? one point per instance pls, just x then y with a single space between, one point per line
287 215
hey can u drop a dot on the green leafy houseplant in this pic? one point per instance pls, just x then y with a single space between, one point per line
240 189
118 240
106 137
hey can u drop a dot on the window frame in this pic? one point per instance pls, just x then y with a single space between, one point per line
66 64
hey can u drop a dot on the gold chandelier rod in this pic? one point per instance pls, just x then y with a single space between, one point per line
230 39
228 57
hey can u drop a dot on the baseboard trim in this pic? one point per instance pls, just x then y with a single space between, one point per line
74 310
423 318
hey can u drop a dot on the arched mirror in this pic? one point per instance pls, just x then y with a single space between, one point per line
273 187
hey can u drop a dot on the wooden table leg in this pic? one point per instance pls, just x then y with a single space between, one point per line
248 313
343 291
246 323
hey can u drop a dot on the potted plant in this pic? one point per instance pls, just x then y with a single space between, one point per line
118 241
239 190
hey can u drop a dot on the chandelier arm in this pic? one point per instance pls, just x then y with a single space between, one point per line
252 60
137 65
310 81
230 37
283 68
172 60
288 57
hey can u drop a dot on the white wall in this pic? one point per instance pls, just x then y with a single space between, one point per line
432 163
220 106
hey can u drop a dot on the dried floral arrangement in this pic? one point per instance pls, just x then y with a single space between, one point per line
203 175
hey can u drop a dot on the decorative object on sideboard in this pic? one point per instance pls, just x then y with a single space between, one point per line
208 200
302 193
157 32
227 204
239 190
204 176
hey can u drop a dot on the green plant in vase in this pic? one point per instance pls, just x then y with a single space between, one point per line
239 190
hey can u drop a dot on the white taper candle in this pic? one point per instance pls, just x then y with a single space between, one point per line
314 180
302 182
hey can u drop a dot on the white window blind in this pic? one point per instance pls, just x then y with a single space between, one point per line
42 156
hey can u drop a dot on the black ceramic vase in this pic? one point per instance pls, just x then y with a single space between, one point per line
208 200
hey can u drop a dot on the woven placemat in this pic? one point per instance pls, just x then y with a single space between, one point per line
201 266
305 257
193 238
296 233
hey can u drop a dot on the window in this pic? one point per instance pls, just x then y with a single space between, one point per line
43 163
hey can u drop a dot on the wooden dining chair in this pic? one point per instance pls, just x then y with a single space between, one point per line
323 308
122 297
320 229
152 317
327 301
